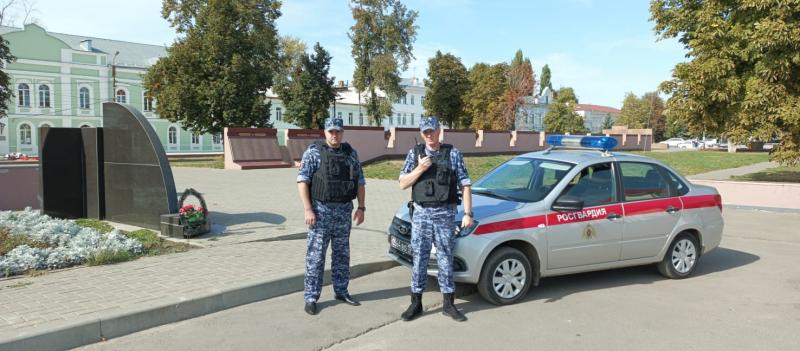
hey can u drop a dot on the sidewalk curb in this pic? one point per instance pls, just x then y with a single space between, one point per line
97 327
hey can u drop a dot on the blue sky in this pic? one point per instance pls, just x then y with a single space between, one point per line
602 49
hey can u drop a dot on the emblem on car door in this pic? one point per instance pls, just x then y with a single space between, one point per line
589 232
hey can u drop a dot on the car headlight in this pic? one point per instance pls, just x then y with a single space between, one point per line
462 232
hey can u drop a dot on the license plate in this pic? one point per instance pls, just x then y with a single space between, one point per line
400 245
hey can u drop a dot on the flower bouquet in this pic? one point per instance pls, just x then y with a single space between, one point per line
193 218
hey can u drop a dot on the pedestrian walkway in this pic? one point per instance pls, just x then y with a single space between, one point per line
748 194
726 174
256 252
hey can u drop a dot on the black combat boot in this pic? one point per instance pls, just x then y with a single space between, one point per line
415 309
449 309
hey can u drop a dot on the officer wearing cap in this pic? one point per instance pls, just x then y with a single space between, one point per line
330 178
435 172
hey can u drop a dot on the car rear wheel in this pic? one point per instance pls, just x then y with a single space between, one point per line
506 276
681 259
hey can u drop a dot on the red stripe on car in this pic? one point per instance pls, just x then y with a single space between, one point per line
601 212
700 201
511 224
651 206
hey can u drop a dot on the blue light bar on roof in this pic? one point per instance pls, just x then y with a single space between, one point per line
590 142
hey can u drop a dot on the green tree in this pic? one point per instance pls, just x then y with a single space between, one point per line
382 40
308 91
742 77
447 82
483 102
291 51
634 112
217 71
545 83
5 90
520 85
675 128
655 114
608 122
561 116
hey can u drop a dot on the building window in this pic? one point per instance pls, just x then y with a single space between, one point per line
278 114
412 119
404 116
404 100
361 119
412 99
195 139
173 136
216 139
24 95
148 102
421 100
339 115
350 118
25 134
83 98
44 96
122 97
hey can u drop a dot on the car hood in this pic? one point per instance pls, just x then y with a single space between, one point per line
482 206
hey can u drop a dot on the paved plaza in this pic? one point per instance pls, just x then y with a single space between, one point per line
256 252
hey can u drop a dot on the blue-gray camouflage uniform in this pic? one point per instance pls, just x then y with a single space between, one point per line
434 225
333 222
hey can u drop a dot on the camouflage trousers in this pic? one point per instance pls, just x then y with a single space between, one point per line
332 226
433 226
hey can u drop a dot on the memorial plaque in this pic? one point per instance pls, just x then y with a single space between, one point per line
139 187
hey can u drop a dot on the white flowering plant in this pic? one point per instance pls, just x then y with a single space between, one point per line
59 242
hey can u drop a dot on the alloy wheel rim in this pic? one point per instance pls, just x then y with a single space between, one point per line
509 278
684 256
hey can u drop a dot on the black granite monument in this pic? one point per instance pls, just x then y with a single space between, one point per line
62 172
139 187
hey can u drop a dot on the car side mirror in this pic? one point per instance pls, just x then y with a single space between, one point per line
568 204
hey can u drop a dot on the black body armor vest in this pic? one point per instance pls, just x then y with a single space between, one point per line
438 185
336 179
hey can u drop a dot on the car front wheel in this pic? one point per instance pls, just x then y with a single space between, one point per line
506 276
681 259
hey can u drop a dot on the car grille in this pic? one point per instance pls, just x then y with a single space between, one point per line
458 264
400 228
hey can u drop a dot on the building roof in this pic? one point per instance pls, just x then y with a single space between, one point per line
130 54
595 108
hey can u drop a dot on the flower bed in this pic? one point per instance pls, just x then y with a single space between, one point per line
50 243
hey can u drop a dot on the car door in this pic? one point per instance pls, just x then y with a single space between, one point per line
592 235
650 210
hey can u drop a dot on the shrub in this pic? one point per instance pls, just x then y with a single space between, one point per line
9 242
109 257
96 224
148 238
50 243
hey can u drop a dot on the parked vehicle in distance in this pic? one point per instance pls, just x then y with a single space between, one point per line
673 142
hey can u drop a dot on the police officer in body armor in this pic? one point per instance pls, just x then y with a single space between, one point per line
330 178
435 172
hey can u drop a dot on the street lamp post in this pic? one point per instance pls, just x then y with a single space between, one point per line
114 77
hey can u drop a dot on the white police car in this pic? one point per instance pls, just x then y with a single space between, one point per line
575 207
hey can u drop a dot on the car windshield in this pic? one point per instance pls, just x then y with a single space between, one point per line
522 179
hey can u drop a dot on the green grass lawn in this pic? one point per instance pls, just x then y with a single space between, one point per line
477 166
198 162
777 174
696 162
685 162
